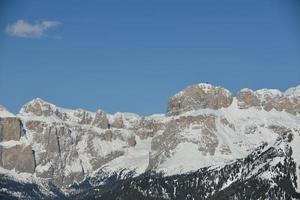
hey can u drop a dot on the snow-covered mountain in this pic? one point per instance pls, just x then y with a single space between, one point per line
208 145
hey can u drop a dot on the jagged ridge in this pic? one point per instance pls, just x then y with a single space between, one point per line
204 126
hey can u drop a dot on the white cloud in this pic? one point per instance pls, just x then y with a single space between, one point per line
24 29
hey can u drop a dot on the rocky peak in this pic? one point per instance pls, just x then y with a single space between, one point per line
269 99
199 96
202 96
38 107
67 146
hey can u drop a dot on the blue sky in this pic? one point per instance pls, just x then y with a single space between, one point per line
132 55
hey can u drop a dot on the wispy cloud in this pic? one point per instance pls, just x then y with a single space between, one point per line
22 28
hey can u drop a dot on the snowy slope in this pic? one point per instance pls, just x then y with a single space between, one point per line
252 128
5 113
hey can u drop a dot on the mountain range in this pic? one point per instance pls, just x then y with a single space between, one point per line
208 145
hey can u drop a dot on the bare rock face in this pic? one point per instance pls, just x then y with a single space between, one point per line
10 129
148 127
9 157
36 126
101 120
246 99
26 161
199 96
268 99
68 152
38 107
59 151
17 157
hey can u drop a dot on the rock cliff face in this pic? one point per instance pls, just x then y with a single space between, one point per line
204 126
12 155
73 144
17 157
270 99
199 96
10 129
